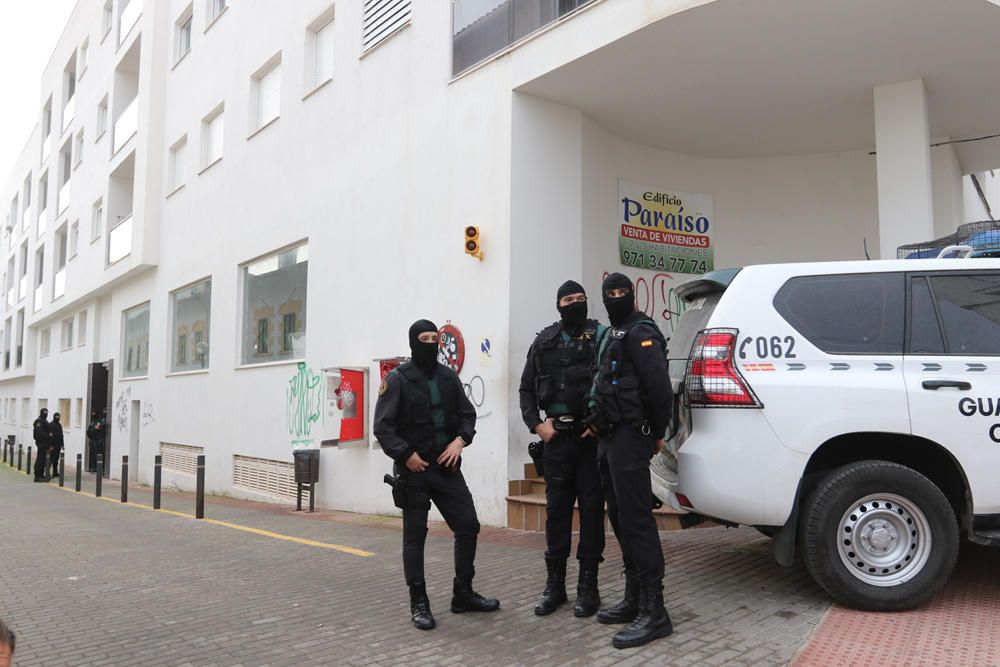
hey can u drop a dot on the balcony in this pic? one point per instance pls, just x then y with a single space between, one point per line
39 297
43 221
46 146
22 287
127 124
62 203
59 284
120 241
68 112
26 218
128 19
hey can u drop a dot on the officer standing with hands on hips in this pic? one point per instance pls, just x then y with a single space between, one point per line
631 403
423 420
557 378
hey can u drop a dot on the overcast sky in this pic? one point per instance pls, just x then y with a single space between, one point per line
28 34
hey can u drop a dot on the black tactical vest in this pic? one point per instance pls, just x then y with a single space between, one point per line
564 371
618 393
414 422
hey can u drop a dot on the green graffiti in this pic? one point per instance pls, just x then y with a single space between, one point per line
304 398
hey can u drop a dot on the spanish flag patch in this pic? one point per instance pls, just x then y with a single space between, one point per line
646 343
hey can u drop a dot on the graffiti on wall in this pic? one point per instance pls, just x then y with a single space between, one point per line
147 414
304 398
121 409
656 297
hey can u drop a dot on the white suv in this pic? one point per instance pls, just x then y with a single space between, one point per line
850 410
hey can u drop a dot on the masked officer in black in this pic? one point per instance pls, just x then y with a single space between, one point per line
43 438
631 405
56 444
557 378
423 420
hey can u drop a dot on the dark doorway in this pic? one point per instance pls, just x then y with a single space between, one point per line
98 400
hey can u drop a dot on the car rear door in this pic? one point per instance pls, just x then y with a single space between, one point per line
952 372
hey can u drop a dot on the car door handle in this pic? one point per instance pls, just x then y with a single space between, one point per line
934 385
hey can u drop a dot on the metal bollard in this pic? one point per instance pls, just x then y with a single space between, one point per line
79 472
157 479
312 496
29 460
48 465
20 452
199 507
62 469
298 496
5 451
100 474
125 479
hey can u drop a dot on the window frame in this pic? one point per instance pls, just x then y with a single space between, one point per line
274 346
123 366
311 76
273 67
207 161
185 19
172 325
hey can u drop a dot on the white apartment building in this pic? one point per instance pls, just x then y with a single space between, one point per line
225 202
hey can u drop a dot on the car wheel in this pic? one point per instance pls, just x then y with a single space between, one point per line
878 536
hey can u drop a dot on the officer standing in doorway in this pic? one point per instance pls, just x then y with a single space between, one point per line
43 438
423 421
557 378
55 444
96 433
631 405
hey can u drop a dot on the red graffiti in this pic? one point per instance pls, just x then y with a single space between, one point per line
657 298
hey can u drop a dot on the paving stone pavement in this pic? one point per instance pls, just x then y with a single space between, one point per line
86 582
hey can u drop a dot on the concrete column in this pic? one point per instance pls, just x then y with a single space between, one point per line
903 159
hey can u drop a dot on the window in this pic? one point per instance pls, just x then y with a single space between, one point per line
107 17
969 309
96 220
846 314
65 409
74 239
84 54
382 19
267 93
273 288
190 314
79 413
102 117
78 152
319 51
19 351
215 9
45 343
135 341
25 412
212 129
67 333
81 328
183 31
175 169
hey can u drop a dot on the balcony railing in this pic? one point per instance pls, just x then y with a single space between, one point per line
127 124
120 240
22 287
484 27
63 201
68 112
26 218
39 297
43 221
130 15
59 284
46 146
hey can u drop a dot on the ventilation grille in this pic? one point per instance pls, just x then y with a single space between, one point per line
181 458
382 18
266 476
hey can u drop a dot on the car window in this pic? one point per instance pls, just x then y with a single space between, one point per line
925 332
846 314
693 320
969 305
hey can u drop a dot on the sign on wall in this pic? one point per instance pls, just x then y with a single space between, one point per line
665 230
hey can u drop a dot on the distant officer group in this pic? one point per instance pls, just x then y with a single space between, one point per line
606 399
48 436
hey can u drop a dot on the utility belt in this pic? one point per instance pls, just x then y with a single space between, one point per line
569 424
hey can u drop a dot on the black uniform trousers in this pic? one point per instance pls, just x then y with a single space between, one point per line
571 476
54 451
41 465
450 494
623 458
96 446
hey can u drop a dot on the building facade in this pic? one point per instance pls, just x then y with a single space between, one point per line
232 210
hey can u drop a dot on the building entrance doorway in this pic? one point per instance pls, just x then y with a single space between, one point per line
98 399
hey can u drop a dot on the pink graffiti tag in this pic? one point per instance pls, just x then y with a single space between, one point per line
657 298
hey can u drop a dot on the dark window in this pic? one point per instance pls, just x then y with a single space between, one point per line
263 334
970 312
847 314
288 324
182 346
925 332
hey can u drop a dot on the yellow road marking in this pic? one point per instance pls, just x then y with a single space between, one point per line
234 526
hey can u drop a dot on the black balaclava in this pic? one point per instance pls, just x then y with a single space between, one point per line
424 354
623 306
43 413
575 314
55 417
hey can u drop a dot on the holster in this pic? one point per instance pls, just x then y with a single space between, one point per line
537 457
398 485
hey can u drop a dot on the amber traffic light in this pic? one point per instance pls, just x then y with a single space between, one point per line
472 246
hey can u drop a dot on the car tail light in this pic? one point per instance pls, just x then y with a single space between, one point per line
712 379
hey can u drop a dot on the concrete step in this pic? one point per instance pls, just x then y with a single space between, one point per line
526 511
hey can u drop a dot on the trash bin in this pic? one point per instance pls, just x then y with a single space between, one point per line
306 466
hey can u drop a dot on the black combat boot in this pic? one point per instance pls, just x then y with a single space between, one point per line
465 599
626 610
651 623
420 608
588 598
555 587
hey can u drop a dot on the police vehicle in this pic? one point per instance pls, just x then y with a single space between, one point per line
850 410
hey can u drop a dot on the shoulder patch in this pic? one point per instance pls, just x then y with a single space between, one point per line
384 387
618 334
646 343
